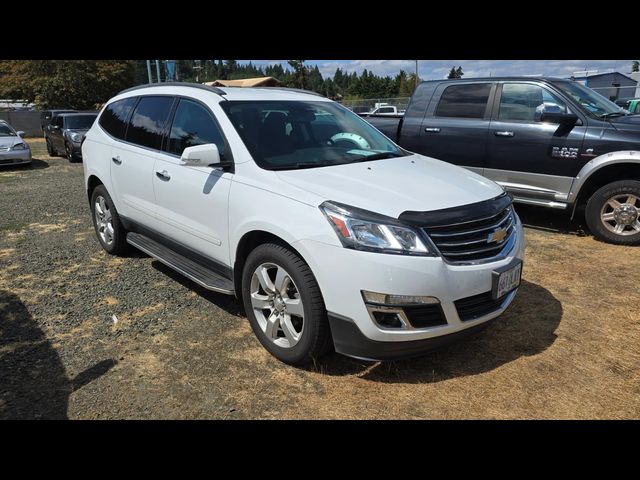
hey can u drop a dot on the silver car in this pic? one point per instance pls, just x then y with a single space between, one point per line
13 149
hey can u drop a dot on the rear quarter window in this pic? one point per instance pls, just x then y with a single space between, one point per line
114 117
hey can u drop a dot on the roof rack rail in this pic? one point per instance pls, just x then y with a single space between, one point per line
176 84
300 90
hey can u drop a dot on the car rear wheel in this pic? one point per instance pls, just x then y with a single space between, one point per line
613 213
284 305
109 229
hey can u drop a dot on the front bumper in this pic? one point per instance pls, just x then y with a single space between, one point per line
343 273
15 157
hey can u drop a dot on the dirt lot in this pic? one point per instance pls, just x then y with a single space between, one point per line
566 348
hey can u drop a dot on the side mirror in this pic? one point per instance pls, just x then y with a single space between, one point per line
20 133
552 113
201 155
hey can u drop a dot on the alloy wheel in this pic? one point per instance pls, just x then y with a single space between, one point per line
103 220
621 214
277 305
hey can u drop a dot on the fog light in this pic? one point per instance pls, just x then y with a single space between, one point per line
388 319
388 299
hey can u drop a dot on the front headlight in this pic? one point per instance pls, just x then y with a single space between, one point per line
363 230
76 137
20 146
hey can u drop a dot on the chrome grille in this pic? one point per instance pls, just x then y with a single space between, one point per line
5 149
470 240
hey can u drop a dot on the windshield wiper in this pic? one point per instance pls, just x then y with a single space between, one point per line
378 156
300 165
613 114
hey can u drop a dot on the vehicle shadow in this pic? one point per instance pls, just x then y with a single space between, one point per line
550 220
526 328
33 380
228 303
37 164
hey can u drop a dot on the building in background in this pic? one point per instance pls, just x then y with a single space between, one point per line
611 85
247 82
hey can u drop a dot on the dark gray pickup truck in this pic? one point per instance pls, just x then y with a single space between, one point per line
548 141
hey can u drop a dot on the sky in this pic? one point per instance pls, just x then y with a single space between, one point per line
436 69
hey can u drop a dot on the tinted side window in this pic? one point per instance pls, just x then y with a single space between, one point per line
464 101
148 121
524 102
115 115
193 125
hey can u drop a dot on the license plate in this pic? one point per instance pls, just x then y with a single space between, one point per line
506 279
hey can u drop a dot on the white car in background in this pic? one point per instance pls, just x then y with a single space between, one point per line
13 149
331 235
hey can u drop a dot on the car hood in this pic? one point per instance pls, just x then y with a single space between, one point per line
77 130
9 141
393 185
632 121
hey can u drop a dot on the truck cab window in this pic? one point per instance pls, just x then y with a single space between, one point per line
464 101
524 102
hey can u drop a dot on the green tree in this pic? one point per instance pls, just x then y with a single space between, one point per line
299 78
455 72
635 66
80 84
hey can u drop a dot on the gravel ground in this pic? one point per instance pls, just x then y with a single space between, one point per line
567 348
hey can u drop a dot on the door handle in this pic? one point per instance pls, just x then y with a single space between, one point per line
503 134
163 175
116 160
432 129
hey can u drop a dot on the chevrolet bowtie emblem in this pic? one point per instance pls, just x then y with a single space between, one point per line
497 236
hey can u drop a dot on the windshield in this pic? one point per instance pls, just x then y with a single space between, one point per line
79 122
283 135
593 102
6 131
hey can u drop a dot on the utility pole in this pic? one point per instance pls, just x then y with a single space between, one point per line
416 86
158 70
149 69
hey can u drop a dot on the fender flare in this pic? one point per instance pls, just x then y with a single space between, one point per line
595 164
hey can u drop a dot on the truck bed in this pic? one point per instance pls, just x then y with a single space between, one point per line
387 124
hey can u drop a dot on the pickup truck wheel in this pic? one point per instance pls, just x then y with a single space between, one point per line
613 213
110 232
284 305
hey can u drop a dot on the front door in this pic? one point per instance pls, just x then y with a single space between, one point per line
192 202
532 159
456 125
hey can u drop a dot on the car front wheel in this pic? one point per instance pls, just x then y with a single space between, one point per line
613 213
284 304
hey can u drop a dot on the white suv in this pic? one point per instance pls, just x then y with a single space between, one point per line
331 234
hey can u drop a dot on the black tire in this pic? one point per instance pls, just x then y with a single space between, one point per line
596 203
119 244
50 150
315 338
69 153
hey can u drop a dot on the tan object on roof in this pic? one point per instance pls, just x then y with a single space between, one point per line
246 82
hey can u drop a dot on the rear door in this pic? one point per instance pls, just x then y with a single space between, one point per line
192 202
132 160
456 125
530 158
